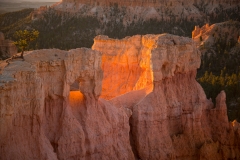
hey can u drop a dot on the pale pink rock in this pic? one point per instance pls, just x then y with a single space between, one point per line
52 104
173 119
42 119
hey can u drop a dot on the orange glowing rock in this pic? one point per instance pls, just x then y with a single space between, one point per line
75 98
128 64
126 67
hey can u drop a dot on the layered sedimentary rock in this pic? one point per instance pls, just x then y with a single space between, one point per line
7 47
41 118
52 106
174 120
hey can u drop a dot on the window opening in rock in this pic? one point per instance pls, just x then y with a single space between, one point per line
76 98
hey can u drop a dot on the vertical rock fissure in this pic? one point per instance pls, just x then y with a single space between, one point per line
55 146
132 140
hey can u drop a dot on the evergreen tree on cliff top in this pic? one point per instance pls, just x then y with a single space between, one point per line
23 39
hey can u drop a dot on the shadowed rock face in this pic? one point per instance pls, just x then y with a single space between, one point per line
7 47
50 106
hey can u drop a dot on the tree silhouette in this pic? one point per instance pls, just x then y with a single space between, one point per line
23 39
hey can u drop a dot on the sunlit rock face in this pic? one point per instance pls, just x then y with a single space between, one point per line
171 119
126 65
70 105
41 118
134 63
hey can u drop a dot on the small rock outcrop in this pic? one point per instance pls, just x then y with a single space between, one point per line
7 47
208 35
58 104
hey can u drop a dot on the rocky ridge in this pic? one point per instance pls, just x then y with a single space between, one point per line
135 10
207 35
74 24
147 3
159 112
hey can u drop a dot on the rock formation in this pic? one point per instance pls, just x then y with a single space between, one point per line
42 119
7 47
174 120
218 44
126 65
52 106
133 10
208 35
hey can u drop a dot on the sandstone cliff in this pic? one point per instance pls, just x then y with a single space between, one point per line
52 106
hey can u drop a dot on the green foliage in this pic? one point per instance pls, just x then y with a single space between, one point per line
220 70
23 39
13 21
65 32
214 84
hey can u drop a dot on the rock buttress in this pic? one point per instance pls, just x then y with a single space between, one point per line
173 119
